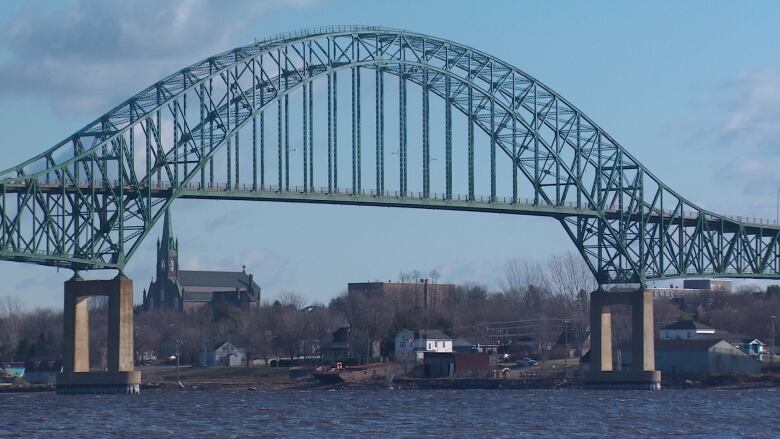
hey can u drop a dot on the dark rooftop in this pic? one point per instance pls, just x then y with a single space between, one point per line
686 345
680 345
462 342
733 338
433 334
688 324
225 280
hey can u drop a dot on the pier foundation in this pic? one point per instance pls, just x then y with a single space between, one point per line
121 376
642 373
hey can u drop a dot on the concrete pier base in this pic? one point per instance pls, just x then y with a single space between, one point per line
620 380
642 373
121 376
97 382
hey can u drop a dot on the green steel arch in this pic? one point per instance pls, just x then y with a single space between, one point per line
89 201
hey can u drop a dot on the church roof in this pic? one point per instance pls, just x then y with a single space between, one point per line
224 280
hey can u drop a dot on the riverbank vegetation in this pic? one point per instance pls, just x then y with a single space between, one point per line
547 302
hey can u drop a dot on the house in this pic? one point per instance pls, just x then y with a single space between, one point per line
698 358
749 345
691 330
411 345
337 349
686 330
222 354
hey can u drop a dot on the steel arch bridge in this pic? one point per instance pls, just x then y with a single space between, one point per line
269 122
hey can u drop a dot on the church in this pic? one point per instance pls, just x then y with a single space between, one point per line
186 290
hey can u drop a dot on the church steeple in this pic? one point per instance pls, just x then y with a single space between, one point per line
167 251
167 236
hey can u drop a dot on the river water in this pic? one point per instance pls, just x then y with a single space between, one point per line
396 413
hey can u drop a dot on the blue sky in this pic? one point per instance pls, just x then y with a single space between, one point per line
692 89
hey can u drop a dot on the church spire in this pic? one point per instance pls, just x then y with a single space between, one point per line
168 251
167 229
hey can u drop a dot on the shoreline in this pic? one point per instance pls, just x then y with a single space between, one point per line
278 381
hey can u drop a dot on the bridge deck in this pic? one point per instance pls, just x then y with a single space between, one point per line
415 200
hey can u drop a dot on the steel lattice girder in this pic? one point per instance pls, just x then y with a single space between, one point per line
89 201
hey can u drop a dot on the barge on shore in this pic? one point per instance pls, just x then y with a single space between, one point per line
351 374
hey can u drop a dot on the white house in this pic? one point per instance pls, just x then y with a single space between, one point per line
223 354
691 330
686 330
749 345
412 345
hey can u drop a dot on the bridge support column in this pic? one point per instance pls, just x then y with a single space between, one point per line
642 373
601 333
121 376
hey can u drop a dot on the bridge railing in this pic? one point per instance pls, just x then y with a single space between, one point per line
305 32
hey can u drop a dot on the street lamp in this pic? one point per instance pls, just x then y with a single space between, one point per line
772 354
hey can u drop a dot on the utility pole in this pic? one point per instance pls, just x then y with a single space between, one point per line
178 355
772 354
565 344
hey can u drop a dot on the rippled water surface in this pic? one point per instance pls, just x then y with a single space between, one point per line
396 413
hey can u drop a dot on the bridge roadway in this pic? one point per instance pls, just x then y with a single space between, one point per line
414 200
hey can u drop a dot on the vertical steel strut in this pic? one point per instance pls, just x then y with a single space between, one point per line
305 140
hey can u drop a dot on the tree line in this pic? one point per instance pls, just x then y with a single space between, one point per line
546 302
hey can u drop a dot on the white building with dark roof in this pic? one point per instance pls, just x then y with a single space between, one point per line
692 330
188 290
685 330
412 345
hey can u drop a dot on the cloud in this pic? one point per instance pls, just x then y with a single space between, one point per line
752 111
89 55
735 124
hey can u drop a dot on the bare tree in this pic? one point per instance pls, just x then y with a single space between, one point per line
569 274
291 298
520 274
11 318
434 275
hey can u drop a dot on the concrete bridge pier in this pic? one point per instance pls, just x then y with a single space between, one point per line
121 376
642 373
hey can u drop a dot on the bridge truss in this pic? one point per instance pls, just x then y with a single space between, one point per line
295 117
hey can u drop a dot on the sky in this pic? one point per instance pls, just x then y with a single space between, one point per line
691 89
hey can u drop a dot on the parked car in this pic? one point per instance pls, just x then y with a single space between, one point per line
526 362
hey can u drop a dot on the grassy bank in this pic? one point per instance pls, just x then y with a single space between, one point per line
256 376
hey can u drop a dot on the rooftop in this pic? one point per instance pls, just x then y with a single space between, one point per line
430 334
688 325
686 345
224 280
